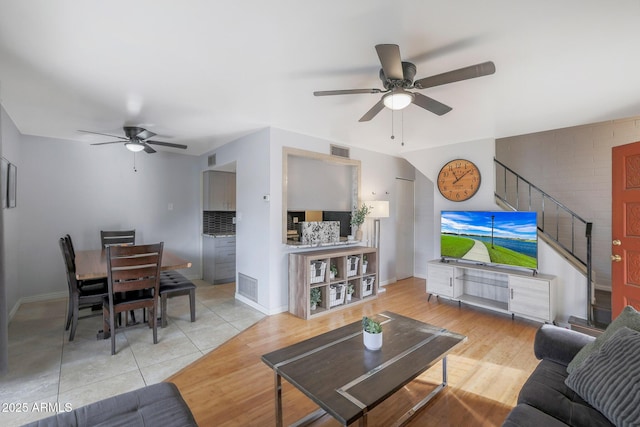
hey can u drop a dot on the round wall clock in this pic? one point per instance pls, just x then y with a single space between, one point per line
459 180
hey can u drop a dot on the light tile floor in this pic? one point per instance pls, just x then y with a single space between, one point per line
47 372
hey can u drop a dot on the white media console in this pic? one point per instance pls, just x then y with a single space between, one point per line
514 292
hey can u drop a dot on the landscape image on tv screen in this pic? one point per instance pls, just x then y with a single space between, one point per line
501 237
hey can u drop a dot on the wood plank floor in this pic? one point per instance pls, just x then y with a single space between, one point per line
231 386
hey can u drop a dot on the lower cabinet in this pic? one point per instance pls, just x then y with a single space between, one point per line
219 259
508 291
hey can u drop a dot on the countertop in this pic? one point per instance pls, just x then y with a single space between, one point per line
299 245
216 235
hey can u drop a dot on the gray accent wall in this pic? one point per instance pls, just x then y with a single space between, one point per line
574 166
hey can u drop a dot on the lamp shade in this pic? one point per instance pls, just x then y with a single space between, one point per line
397 99
134 146
379 208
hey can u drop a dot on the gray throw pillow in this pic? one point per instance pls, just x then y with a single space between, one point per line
609 379
629 318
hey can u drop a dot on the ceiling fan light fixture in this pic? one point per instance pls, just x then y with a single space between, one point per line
135 146
397 99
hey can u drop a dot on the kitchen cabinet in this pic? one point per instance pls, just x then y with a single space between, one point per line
219 259
508 291
219 191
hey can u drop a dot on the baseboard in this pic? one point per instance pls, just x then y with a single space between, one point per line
36 298
258 307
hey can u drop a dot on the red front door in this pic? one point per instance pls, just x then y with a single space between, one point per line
625 228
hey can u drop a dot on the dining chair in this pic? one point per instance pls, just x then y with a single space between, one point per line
133 278
82 294
117 237
173 284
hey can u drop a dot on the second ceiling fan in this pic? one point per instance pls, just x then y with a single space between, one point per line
397 76
137 139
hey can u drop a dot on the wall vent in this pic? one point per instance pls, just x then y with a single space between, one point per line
248 287
211 160
336 150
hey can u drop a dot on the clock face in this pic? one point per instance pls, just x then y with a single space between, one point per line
459 180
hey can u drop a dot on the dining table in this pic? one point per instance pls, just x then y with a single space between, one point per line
92 264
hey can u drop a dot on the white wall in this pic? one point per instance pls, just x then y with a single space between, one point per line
430 161
425 233
572 290
260 251
10 230
319 185
251 155
70 187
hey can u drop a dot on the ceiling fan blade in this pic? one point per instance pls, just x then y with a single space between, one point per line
345 92
470 72
110 142
389 55
372 112
430 104
104 134
145 134
148 148
166 144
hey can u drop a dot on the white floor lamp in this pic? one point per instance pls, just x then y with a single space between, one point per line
379 209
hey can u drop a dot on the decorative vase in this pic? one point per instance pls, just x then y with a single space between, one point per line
364 267
359 234
348 297
313 306
372 341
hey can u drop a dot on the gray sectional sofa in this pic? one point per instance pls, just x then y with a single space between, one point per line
157 405
582 381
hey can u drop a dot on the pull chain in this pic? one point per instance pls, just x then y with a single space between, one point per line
402 127
392 136
134 162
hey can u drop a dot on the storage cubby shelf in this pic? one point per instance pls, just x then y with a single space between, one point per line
303 276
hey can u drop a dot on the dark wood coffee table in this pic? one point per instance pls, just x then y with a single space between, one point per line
347 381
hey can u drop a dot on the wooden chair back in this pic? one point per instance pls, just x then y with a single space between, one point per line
72 251
117 237
82 294
133 277
69 263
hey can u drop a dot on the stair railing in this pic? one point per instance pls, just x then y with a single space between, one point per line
555 221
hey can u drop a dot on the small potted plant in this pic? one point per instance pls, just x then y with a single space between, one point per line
316 298
333 271
350 290
371 333
357 218
364 264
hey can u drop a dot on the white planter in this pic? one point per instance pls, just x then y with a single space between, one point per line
372 341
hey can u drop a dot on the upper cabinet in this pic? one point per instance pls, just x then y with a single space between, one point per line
219 191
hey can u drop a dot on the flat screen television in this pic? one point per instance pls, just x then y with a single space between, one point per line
487 237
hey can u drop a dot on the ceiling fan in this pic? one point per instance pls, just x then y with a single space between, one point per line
137 139
397 76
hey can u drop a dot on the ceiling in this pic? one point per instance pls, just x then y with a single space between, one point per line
204 73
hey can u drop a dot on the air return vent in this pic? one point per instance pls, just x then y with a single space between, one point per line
211 160
336 150
248 287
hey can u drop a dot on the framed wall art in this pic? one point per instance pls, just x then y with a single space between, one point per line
4 176
12 184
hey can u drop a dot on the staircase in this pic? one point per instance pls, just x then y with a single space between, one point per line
563 230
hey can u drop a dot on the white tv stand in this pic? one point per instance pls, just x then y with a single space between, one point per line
504 290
